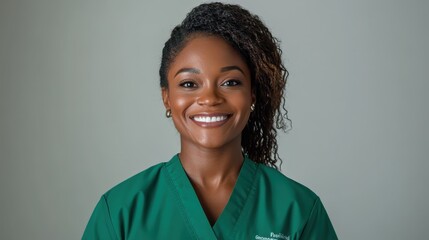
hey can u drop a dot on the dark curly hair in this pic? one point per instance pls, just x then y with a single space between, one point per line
247 34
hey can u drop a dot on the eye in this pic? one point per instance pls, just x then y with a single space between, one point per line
188 84
231 83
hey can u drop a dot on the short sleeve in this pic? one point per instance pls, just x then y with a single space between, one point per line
100 224
318 225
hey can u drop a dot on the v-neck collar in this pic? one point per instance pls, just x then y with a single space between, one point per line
191 206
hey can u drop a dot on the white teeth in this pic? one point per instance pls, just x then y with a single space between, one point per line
209 119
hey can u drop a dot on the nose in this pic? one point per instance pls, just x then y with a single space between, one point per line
210 96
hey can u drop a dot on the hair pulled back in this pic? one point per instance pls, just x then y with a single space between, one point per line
247 34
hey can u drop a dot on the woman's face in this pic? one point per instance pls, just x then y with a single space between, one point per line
209 93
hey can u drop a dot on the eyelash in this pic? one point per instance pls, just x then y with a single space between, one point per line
227 83
184 84
234 81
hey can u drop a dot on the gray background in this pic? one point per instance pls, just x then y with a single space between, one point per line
80 108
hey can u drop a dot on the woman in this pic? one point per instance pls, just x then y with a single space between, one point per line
222 82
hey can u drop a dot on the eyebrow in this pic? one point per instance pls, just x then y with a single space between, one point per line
230 68
189 70
196 71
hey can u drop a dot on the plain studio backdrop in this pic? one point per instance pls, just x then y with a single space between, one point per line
80 108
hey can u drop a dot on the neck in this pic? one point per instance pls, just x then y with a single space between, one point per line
214 166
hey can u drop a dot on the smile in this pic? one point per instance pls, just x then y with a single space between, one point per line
209 119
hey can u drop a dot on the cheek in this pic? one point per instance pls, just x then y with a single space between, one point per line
242 104
242 101
180 103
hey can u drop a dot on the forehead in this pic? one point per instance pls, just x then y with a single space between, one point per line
207 53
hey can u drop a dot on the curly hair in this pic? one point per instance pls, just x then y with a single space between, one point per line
246 33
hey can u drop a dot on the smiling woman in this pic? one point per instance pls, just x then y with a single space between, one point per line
222 82
209 94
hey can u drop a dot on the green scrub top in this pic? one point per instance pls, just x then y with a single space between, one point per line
160 203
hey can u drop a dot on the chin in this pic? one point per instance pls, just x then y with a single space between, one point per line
210 143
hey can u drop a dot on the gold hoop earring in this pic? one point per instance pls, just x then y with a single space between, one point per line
168 113
252 107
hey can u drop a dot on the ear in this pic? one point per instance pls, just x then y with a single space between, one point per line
253 98
165 98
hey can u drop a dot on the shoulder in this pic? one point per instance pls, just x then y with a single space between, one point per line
287 189
139 184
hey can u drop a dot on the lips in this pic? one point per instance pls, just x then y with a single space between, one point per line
210 120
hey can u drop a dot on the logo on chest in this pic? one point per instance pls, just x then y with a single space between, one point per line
273 236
